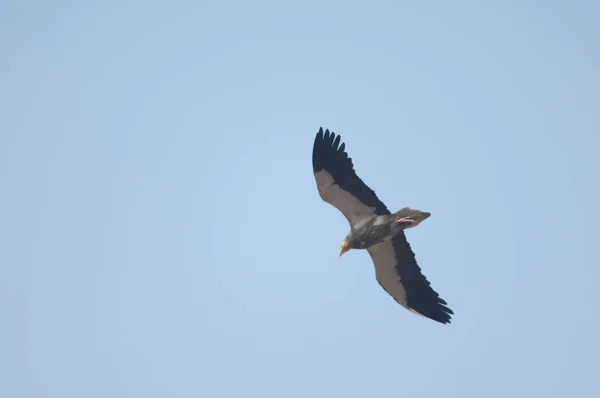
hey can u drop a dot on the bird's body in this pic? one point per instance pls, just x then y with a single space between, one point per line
374 228
372 231
377 229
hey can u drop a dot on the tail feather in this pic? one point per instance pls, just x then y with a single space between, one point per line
417 216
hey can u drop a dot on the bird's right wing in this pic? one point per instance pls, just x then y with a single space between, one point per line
397 271
338 183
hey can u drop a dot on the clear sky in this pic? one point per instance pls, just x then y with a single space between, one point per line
161 231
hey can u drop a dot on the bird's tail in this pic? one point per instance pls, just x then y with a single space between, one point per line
410 218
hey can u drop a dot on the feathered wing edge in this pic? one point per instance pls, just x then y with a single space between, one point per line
338 183
399 274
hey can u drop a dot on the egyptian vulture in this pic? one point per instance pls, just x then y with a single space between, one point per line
375 228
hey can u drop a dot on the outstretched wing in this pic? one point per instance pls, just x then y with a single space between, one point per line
338 183
399 274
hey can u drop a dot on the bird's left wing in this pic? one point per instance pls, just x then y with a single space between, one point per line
338 183
397 271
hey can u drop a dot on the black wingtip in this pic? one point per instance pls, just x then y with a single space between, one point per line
326 143
443 316
435 310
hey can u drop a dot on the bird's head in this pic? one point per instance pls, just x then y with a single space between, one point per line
345 247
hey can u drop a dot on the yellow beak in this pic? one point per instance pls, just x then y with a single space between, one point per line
343 249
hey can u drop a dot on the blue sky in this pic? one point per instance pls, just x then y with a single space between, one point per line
162 232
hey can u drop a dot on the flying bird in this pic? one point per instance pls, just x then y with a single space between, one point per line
375 228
